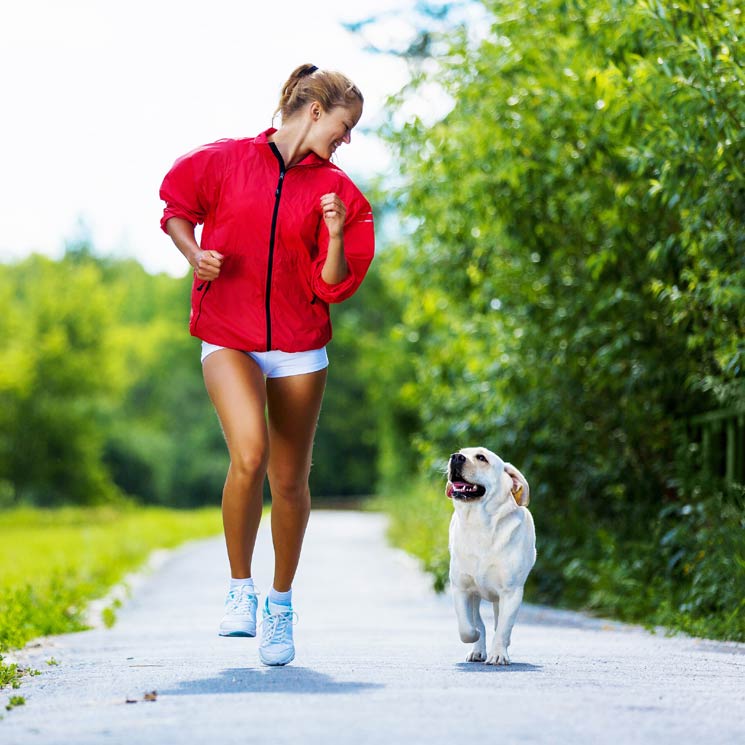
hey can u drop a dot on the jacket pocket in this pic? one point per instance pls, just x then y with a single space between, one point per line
201 290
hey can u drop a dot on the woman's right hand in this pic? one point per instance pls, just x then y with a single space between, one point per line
207 265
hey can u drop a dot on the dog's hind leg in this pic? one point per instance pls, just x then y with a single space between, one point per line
478 651
506 608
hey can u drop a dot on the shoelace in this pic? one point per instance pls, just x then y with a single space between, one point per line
240 600
274 626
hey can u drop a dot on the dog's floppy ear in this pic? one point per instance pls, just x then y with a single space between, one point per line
520 487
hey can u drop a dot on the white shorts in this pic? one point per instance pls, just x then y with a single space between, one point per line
278 364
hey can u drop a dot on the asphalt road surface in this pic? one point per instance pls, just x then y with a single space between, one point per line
378 661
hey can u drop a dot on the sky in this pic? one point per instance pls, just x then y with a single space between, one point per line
99 97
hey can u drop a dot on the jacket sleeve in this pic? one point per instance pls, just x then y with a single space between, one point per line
192 187
359 248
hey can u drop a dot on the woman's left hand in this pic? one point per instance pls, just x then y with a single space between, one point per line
334 214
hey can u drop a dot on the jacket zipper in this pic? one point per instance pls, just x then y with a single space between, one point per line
272 236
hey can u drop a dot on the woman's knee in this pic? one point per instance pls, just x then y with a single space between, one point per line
249 464
293 493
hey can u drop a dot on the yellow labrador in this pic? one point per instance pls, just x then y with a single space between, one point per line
492 547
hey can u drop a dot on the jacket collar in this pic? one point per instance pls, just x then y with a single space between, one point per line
311 159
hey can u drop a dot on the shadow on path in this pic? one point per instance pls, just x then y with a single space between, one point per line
290 679
482 667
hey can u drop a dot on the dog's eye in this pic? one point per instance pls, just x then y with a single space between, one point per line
482 457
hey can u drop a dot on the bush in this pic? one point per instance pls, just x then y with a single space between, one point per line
684 571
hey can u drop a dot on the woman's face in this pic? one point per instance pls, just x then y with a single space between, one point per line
332 128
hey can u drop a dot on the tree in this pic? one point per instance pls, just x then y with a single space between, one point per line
57 373
575 274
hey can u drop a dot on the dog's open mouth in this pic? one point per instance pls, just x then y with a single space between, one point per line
464 490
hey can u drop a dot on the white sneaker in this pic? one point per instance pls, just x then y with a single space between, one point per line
277 646
240 612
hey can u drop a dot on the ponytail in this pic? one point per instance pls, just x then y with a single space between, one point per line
307 84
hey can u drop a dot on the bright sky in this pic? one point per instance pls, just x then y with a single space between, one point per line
99 98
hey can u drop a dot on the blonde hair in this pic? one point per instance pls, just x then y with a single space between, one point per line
307 84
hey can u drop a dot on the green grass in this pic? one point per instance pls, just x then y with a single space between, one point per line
53 562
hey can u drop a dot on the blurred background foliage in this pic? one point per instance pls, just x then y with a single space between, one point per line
561 279
101 392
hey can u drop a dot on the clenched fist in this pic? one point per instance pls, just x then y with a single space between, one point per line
207 265
334 214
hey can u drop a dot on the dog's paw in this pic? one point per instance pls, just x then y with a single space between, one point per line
476 655
500 658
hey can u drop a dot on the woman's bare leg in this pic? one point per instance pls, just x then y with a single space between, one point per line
236 386
294 406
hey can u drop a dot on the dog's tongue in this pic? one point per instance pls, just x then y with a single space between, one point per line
449 490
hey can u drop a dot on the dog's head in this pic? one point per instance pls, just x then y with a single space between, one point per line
476 473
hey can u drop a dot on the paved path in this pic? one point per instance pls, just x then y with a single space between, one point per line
379 661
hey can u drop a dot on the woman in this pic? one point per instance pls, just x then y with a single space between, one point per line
285 234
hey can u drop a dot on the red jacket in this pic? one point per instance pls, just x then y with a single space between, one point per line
267 222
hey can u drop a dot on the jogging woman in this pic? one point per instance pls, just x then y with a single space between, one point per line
285 234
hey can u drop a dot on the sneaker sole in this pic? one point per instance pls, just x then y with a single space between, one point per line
236 627
276 663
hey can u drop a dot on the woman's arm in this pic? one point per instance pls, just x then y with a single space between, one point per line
335 268
206 263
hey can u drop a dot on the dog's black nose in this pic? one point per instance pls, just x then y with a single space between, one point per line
457 458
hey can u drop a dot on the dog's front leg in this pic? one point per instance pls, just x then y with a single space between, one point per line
462 600
478 651
505 614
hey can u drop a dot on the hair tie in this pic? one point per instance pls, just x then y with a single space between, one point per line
312 69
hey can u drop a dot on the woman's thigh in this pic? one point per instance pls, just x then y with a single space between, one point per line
236 387
294 403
